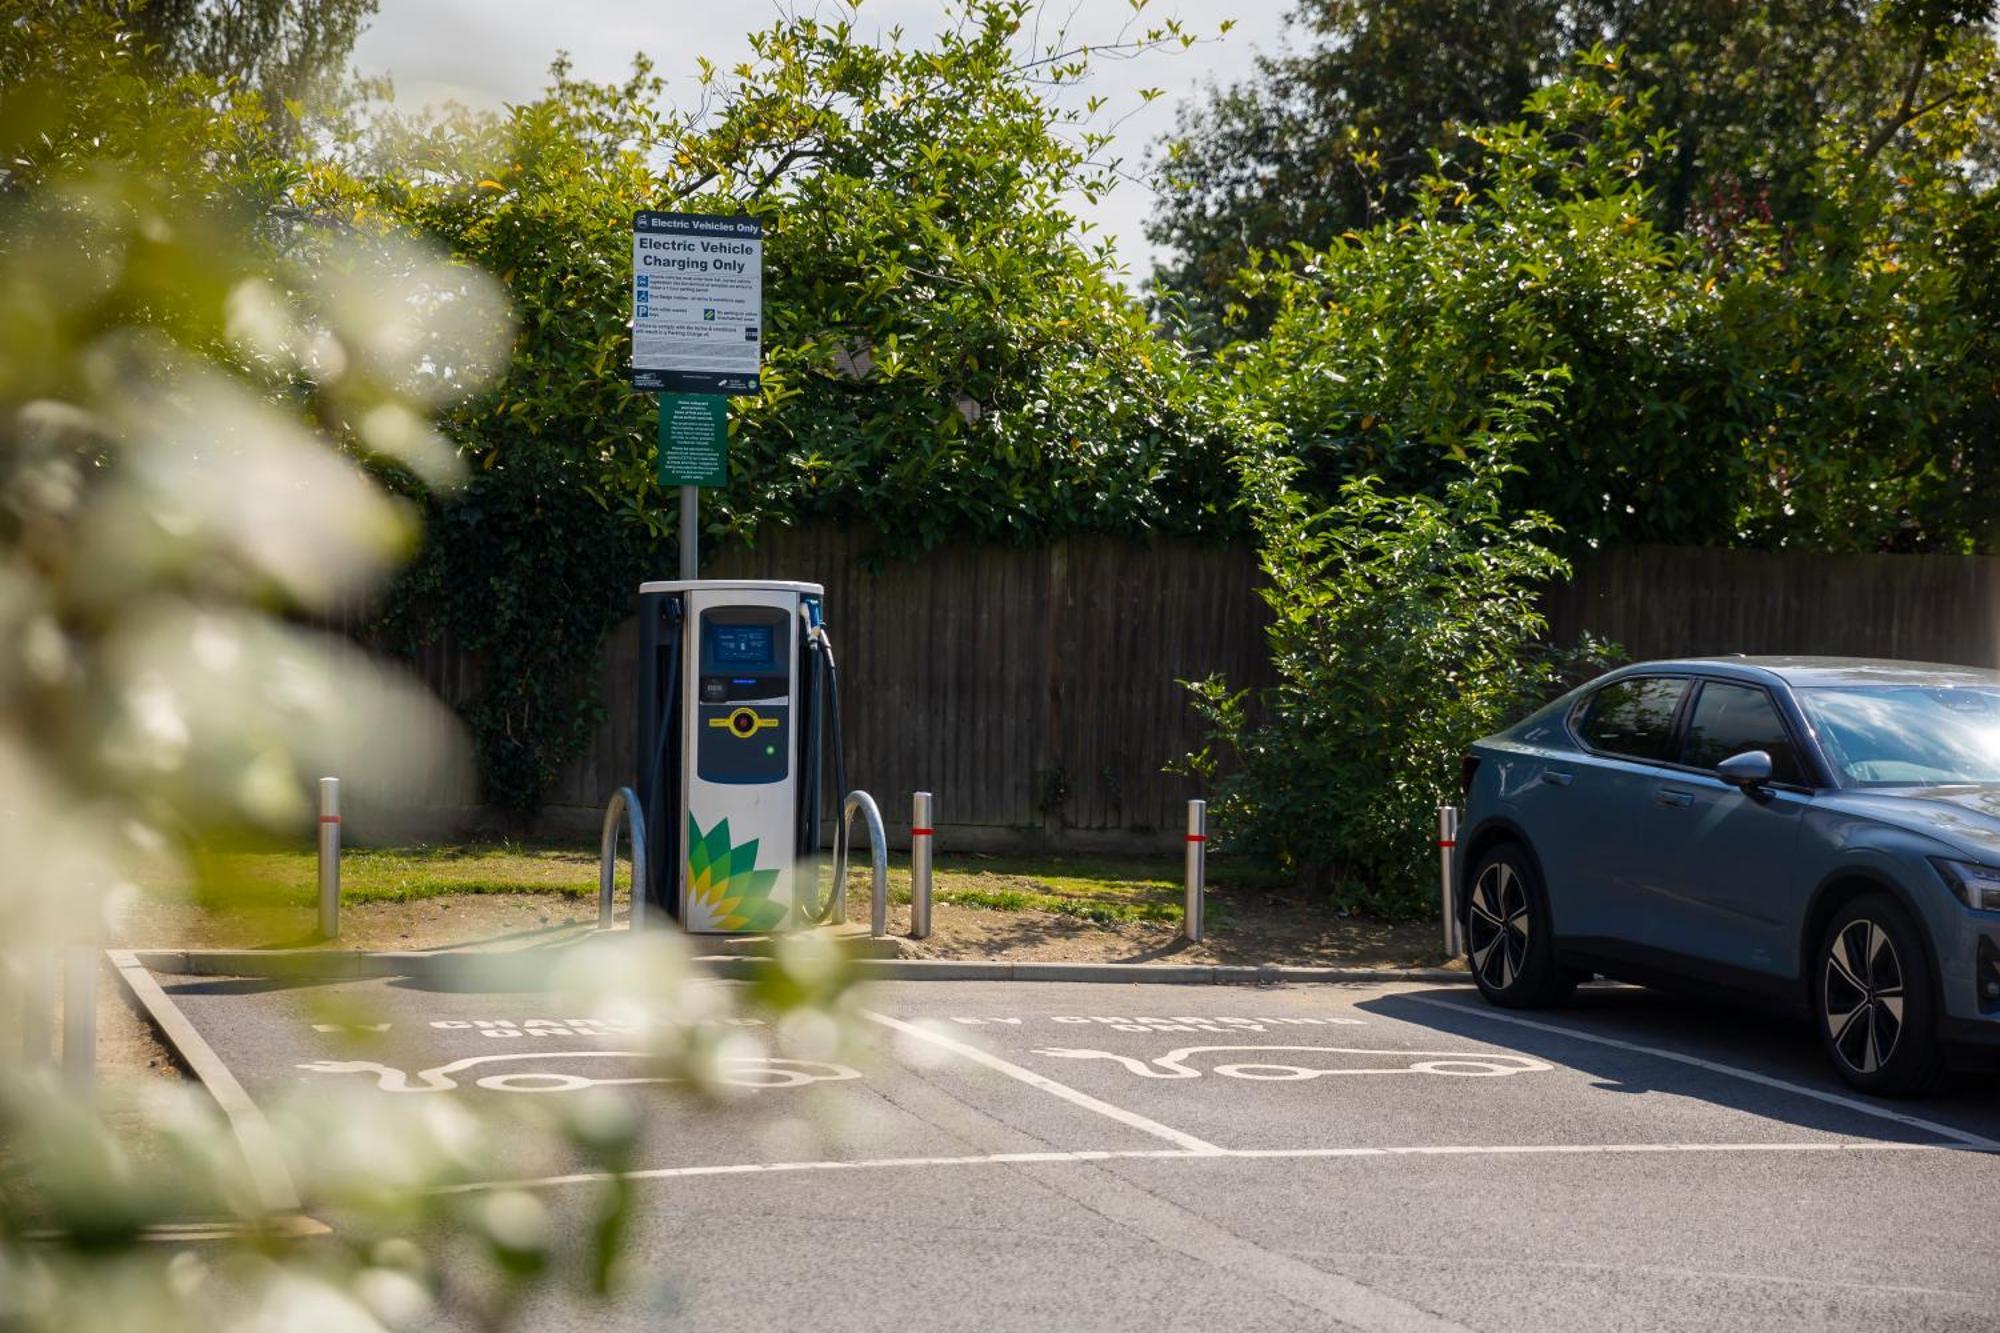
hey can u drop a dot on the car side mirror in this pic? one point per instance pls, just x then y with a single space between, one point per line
1752 768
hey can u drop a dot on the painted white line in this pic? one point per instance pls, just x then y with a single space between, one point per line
1028 1076
1183 1155
1174 1064
1964 1138
259 1143
1591 1149
785 1168
1517 1264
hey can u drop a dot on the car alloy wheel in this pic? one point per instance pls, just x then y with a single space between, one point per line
1863 996
1874 996
1500 925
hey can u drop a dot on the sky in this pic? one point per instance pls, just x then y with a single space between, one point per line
486 53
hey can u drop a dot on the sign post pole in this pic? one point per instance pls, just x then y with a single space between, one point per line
693 452
690 532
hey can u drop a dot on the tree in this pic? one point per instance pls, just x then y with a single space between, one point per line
1333 137
1859 358
1823 384
1387 348
286 51
946 358
1337 135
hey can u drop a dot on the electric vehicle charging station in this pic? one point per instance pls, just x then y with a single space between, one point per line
737 688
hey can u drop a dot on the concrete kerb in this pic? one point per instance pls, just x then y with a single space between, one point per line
513 969
1119 974
263 1160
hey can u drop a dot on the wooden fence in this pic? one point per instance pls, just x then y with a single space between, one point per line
1036 691
1659 601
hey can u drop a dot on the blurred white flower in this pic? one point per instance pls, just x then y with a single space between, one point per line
220 470
428 329
257 319
254 710
395 1298
515 1219
394 431
295 1300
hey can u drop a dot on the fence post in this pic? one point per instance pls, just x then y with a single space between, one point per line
921 830
1197 869
1448 877
329 858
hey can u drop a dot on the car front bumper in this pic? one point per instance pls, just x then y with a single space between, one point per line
1970 956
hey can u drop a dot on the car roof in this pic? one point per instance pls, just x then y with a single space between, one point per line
1835 670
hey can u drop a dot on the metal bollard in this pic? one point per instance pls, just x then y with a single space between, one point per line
921 830
1448 877
329 858
79 1002
1197 869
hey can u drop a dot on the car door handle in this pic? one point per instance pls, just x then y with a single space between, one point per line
1670 796
1556 779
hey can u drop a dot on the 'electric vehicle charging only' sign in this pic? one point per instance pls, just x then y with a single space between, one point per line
697 303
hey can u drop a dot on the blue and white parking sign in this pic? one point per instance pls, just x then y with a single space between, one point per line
697 303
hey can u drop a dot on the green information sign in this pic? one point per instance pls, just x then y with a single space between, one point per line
694 440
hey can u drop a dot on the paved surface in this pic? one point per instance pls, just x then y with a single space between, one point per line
1047 1156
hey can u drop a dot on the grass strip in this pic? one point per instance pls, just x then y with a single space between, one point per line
1100 889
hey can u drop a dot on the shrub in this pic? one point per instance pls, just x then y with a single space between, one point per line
1404 628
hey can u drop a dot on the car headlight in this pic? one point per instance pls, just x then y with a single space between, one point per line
1976 885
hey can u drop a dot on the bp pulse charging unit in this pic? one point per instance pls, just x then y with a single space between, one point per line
737 689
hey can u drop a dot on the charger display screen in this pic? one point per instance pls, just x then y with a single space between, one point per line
740 645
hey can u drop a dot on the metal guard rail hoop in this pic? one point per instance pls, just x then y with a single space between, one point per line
624 801
878 846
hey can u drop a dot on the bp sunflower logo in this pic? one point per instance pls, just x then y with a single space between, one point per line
726 891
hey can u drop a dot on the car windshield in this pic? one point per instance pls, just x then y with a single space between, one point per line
1907 735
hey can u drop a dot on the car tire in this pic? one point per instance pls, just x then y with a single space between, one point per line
1875 1000
1508 943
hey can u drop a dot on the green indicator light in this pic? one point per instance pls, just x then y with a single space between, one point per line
770 749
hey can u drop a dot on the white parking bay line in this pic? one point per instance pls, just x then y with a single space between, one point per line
1964 1138
1056 1156
1133 1119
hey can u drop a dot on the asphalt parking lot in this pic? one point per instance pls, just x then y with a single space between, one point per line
1042 1155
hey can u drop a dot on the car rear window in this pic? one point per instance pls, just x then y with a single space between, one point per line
1730 719
1633 717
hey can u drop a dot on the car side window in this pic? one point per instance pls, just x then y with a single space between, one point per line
1730 719
1633 717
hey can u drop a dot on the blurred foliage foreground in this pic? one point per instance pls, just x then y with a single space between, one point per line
188 376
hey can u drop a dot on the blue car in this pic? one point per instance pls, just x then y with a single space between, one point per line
1819 833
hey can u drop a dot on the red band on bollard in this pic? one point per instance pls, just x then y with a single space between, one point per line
329 819
920 833
1197 837
1446 842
